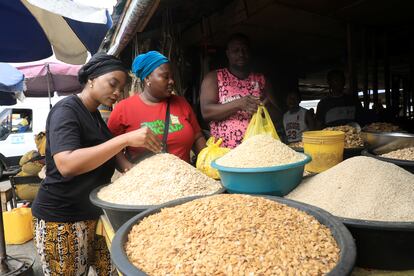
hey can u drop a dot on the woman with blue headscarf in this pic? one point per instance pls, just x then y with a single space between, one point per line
167 115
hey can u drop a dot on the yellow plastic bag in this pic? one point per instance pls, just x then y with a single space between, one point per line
18 227
261 123
208 154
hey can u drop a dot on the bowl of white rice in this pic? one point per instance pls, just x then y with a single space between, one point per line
261 165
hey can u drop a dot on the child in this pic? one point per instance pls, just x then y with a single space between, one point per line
297 119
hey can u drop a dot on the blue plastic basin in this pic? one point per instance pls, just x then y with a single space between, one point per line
276 180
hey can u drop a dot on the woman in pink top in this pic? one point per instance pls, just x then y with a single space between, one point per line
230 96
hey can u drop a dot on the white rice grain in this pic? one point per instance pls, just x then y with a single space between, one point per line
260 151
158 179
361 188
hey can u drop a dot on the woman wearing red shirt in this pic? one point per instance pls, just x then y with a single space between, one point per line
149 109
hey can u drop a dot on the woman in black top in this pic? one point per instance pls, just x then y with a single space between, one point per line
81 155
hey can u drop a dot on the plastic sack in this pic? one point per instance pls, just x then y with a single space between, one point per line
40 140
18 227
208 154
261 123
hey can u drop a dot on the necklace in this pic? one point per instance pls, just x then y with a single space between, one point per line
93 115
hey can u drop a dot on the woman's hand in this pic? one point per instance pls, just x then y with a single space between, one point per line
249 104
145 138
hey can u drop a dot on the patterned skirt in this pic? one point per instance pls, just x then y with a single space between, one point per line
71 248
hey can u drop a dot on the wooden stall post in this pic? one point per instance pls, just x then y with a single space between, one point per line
387 72
365 68
352 80
411 80
374 68
395 95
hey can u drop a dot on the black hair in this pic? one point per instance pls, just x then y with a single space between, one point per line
238 37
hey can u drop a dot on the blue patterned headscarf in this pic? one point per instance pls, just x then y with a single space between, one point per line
144 64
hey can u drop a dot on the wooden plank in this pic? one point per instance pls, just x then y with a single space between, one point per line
374 68
352 80
387 72
405 96
411 79
395 95
365 67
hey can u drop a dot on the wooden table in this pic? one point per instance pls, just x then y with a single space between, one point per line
105 229
5 194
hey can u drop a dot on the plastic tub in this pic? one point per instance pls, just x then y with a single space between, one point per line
340 233
383 245
325 147
348 152
405 164
118 214
276 180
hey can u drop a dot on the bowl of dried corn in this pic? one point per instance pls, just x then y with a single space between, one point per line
232 234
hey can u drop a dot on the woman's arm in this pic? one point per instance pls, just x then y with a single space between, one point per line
123 164
199 143
212 110
80 161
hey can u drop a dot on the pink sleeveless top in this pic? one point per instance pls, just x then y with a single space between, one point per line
230 88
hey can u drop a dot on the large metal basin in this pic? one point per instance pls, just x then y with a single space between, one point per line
384 142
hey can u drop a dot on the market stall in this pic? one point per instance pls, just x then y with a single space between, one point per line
295 44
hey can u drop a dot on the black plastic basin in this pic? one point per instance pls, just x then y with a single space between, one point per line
339 231
118 214
383 245
405 164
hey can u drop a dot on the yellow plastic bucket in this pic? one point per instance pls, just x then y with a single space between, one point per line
18 227
325 147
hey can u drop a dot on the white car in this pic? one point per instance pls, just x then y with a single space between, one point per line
18 125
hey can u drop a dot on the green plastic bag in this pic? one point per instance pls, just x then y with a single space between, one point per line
261 123
208 154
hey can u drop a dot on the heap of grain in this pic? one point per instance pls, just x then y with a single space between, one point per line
353 137
361 188
158 179
381 127
401 154
260 151
232 235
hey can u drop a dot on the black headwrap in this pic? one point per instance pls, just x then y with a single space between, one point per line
98 65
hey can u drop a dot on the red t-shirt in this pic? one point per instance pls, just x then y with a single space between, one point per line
132 113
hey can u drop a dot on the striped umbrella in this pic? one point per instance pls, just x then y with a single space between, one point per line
35 29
